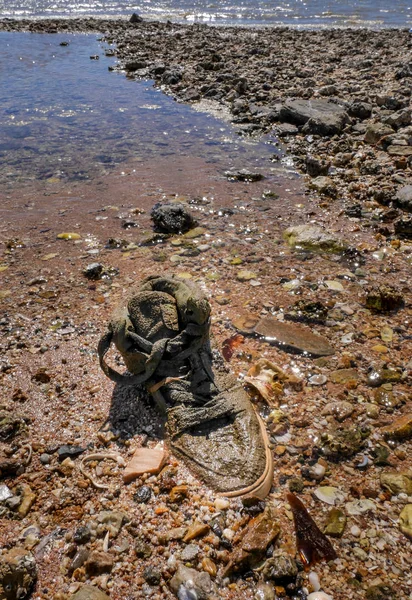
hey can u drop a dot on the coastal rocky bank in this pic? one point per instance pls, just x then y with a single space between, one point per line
311 307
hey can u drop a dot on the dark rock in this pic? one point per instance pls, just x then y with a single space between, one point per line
79 559
172 77
142 549
307 312
403 198
320 117
135 65
316 166
172 218
81 535
355 211
405 71
142 494
285 129
135 18
324 186
11 425
378 377
244 175
93 271
17 574
381 592
67 451
398 119
42 376
296 484
339 444
383 298
403 228
152 575
377 131
360 110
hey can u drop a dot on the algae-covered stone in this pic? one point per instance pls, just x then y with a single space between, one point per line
400 429
325 186
17 574
397 483
378 377
280 567
344 376
313 239
405 521
336 523
383 298
381 591
342 443
172 218
69 236
245 275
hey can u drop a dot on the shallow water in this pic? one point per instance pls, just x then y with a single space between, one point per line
369 13
64 116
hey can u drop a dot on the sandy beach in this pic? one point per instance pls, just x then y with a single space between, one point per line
340 103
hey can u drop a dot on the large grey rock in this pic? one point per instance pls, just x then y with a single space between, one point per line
90 592
403 198
320 116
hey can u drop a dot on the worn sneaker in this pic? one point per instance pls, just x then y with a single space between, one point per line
163 337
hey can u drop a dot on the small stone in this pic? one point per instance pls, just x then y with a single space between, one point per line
382 375
79 559
245 275
67 451
280 567
81 535
142 549
397 483
5 493
265 591
68 236
341 410
336 523
196 530
355 531
400 429
189 579
405 521
99 563
93 271
244 175
89 592
319 596
144 460
152 575
189 553
18 574
312 238
209 566
317 380
221 504
112 520
383 298
336 286
45 459
360 507
172 218
329 494
142 494
381 591
178 493
342 376
296 484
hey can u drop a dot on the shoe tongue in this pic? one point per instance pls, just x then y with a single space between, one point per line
154 315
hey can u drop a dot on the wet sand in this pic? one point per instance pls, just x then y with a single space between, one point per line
52 317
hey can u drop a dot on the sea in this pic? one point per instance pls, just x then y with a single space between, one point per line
64 115
297 13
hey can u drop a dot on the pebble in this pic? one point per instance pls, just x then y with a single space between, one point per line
221 504
360 507
319 596
189 552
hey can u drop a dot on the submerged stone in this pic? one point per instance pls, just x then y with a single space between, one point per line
280 567
89 592
244 175
293 338
336 523
172 218
307 312
400 429
384 298
312 238
342 443
397 483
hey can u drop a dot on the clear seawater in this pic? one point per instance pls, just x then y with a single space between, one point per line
64 115
303 13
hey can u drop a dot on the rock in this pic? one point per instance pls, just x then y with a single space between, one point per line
378 377
81 535
340 409
312 238
336 523
403 198
172 218
307 312
135 18
112 521
245 275
93 271
18 574
28 498
196 530
189 579
79 559
381 591
209 566
9 467
291 337
395 150
152 575
360 110
405 521
319 596
11 425
67 451
383 298
321 117
5 493
265 591
178 493
400 429
403 228
342 376
387 399
142 549
398 119
341 443
316 166
280 567
144 460
260 532
324 185
189 553
89 592
360 507
69 236
377 131
244 175
142 494
99 563
397 483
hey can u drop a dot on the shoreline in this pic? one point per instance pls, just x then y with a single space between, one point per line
52 315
